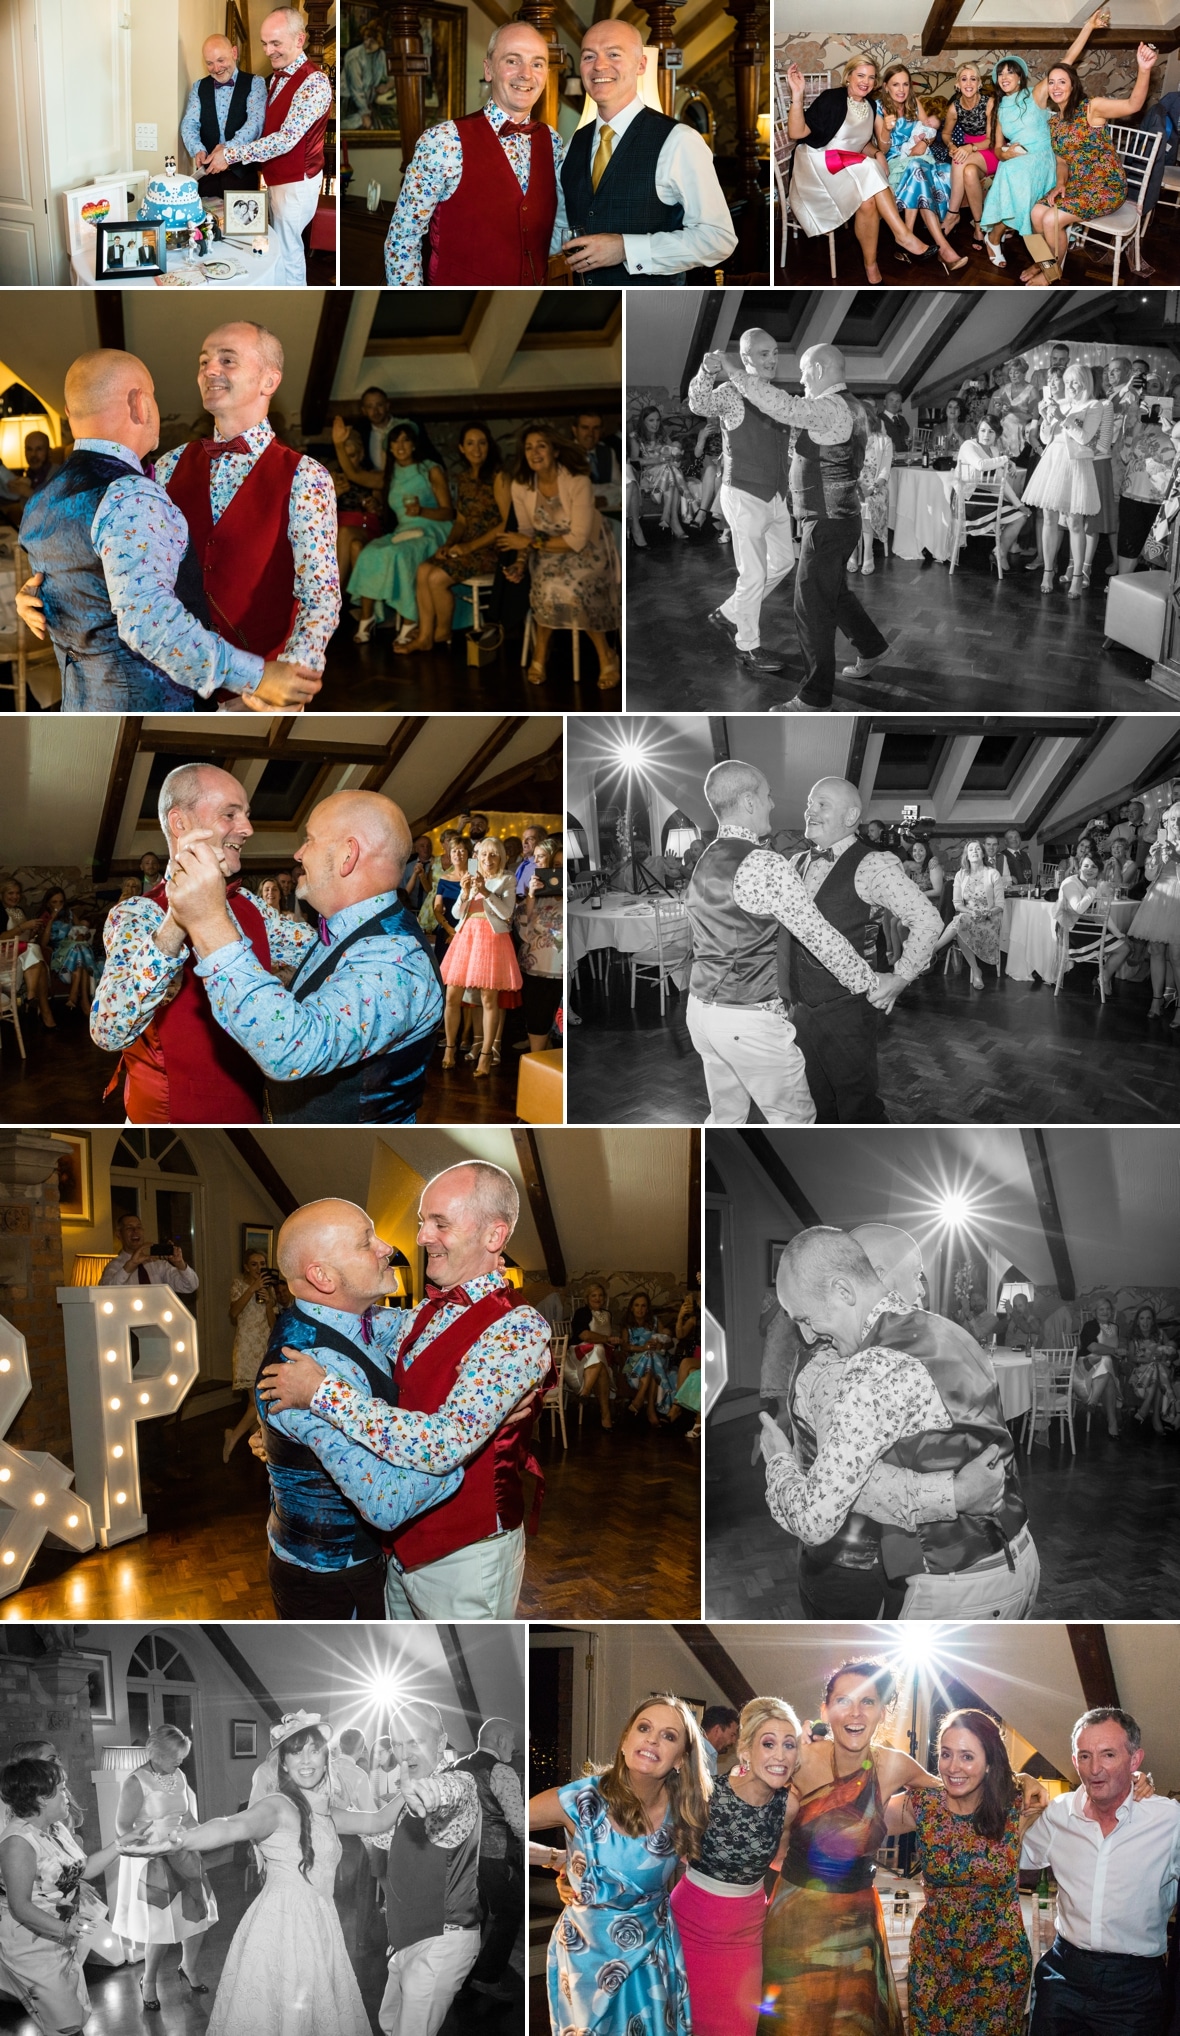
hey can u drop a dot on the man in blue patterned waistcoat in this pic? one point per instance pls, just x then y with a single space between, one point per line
641 193
117 581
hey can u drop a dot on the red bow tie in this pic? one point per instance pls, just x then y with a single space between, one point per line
459 1295
522 127
216 448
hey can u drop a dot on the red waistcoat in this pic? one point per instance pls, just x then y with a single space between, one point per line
306 159
490 231
246 556
185 1069
492 1493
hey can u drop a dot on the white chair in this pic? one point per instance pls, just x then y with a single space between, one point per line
477 585
11 979
1052 1391
671 945
1136 151
814 82
1048 875
980 507
554 1399
1169 197
1086 940
529 631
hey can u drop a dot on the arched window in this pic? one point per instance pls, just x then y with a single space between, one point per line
678 834
162 1690
1012 1283
154 1177
577 844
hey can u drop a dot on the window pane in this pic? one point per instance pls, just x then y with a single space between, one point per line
178 1671
178 1159
138 1716
130 1149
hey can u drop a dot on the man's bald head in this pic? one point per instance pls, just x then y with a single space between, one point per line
205 796
611 62
738 794
833 810
110 394
329 1252
356 844
821 367
896 1258
220 58
759 351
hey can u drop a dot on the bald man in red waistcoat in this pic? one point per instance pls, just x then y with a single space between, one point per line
290 150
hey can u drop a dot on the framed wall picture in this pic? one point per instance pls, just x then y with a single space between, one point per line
258 1237
90 206
243 1739
775 1253
75 1192
246 215
128 247
367 94
101 1682
237 32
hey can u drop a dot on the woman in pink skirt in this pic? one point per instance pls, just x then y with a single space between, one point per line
720 1904
481 956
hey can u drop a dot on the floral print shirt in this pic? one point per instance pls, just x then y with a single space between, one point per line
311 528
251 128
541 936
858 1407
141 538
433 176
453 1821
384 992
767 887
310 103
138 975
880 880
502 1365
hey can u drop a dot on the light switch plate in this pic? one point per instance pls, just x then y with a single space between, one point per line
146 136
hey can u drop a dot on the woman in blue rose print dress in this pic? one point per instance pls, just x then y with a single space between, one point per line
615 1965
645 1366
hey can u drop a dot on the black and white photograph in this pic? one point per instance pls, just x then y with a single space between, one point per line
270 1829
245 214
921 500
955 1396
865 919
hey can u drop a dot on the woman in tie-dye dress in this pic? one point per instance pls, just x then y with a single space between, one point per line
615 1965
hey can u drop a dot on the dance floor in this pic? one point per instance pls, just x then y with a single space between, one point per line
1011 1053
62 1079
368 678
204 1555
960 642
1131 1570
808 262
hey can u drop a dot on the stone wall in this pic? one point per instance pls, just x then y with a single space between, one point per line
44 1694
1105 73
30 1274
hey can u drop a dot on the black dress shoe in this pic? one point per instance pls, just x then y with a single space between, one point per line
758 660
723 623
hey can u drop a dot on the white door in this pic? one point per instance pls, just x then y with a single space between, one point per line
84 50
26 240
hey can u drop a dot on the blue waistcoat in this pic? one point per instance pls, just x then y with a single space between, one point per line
385 1089
625 201
311 1521
100 673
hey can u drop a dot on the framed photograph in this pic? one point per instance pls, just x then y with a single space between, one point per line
101 1684
236 31
258 1237
367 92
246 215
243 1739
90 206
776 1251
74 1190
128 247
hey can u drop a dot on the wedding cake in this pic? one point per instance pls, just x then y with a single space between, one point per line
173 199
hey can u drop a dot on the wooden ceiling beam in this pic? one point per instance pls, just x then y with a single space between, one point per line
108 307
126 751
280 729
461 786
402 739
781 1179
717 1662
335 310
1094 1666
261 745
694 1246
692 73
219 1638
451 1641
528 1156
990 38
1078 757
938 25
719 737
264 1170
1037 1156
504 790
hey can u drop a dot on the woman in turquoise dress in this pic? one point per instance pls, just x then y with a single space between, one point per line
615 1965
1027 170
416 489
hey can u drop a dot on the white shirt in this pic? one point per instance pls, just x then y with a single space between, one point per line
684 176
160 1273
1113 1894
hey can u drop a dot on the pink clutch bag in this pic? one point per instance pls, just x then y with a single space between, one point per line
842 158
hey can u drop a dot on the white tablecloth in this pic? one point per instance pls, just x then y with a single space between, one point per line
920 512
1014 1374
257 271
621 922
1028 938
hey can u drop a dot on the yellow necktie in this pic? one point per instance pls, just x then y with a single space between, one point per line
606 142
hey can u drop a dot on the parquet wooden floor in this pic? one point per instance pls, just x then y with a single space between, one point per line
1131 1570
1012 1053
62 1078
620 1530
808 265
369 679
960 643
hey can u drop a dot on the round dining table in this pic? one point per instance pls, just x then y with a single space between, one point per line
1013 1369
920 512
622 921
1028 938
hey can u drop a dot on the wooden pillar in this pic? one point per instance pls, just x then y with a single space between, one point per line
540 15
317 28
746 58
661 15
409 67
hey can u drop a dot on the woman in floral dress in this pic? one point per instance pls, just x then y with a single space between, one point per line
615 1966
483 500
645 1366
45 1906
969 1957
873 488
979 912
573 564
1153 1361
1090 180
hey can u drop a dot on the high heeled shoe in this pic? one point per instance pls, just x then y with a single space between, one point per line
994 254
1047 582
952 268
1077 588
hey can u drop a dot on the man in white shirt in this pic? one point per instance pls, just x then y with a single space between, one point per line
641 193
135 1264
1116 1863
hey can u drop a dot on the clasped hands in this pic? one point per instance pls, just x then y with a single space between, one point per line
196 888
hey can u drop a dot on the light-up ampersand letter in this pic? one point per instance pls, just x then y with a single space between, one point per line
35 1495
108 1398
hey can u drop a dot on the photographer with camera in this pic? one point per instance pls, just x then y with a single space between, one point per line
257 1296
147 1265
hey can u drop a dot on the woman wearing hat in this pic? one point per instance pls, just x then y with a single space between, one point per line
1027 169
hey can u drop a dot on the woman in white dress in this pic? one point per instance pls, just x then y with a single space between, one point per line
1086 890
979 912
287 1972
1158 917
46 1908
1095 1378
837 171
164 1900
1063 483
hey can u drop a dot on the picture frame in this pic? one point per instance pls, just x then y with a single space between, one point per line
247 214
237 31
124 248
243 1739
75 1186
368 104
101 1683
775 1251
258 1237
90 206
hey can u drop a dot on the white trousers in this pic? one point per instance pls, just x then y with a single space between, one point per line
763 551
998 1593
423 1981
747 1053
481 1581
292 207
